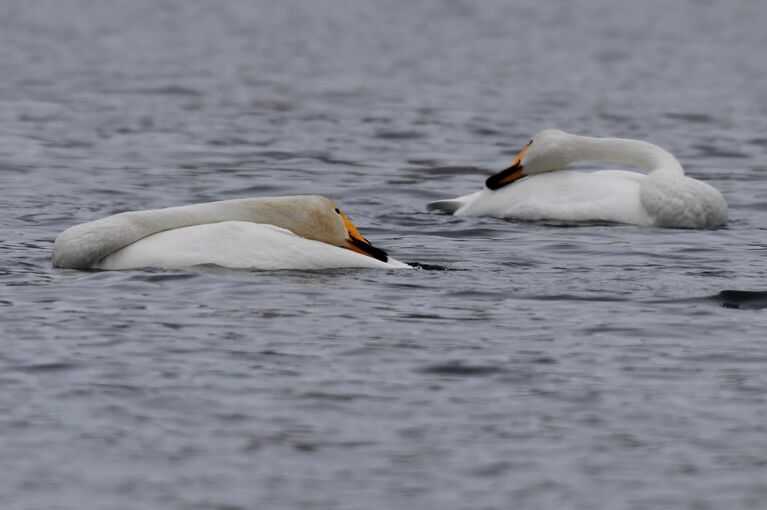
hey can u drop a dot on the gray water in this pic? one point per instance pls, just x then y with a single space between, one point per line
550 367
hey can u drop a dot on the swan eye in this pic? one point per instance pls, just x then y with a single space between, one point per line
529 143
337 210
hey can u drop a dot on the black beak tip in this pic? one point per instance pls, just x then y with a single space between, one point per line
495 182
376 253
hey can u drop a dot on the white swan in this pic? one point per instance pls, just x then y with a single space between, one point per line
300 232
664 197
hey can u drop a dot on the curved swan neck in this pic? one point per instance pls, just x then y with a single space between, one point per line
644 155
81 246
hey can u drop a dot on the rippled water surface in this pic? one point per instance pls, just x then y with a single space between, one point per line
582 367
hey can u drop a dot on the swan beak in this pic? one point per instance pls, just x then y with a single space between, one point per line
509 175
356 242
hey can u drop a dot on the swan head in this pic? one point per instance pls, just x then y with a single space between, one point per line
549 150
320 219
356 242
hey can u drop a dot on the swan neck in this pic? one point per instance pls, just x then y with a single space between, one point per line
84 245
643 155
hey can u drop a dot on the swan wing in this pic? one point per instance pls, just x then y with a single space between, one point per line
680 201
236 244
604 195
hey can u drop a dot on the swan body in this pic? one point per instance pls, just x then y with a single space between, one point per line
302 232
536 186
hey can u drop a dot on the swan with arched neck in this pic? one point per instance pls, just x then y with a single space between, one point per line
537 187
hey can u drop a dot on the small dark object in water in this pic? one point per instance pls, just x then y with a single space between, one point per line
742 299
427 267
459 369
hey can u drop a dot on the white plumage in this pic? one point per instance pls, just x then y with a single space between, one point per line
303 232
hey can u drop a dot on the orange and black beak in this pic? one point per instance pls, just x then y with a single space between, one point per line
509 175
356 242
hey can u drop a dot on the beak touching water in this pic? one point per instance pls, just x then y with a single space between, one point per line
356 242
509 175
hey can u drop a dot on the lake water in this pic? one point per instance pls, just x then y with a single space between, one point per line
549 367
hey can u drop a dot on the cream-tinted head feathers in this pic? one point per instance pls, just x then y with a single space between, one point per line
315 217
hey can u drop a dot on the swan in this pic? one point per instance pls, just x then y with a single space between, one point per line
536 186
294 232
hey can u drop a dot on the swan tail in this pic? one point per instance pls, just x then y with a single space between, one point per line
445 206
